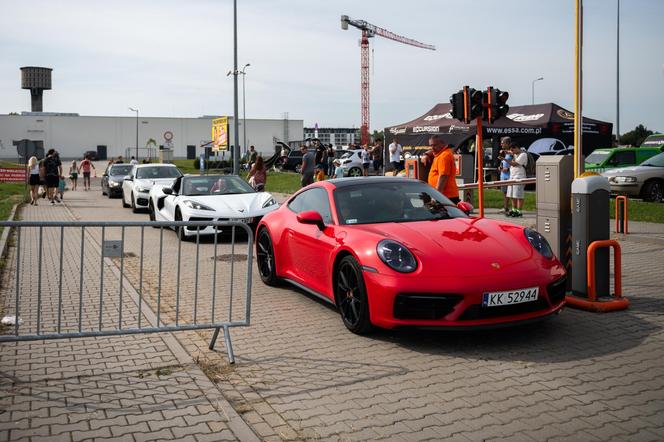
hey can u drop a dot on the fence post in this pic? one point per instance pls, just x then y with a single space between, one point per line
621 214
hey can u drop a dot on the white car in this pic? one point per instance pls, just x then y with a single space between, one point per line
136 186
209 198
351 163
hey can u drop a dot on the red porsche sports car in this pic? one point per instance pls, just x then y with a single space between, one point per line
392 252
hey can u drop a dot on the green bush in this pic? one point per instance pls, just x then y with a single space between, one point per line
212 164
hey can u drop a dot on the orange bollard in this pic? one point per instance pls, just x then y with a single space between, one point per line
618 302
624 213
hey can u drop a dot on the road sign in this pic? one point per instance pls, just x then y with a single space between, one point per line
220 134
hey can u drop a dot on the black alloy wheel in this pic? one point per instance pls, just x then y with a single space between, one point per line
265 259
653 191
125 205
351 296
133 204
180 229
151 213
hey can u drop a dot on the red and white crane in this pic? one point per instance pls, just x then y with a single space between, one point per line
368 31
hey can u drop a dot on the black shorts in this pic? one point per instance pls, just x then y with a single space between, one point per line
34 179
86 174
365 166
52 181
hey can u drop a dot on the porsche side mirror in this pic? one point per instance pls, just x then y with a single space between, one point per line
311 217
167 190
465 207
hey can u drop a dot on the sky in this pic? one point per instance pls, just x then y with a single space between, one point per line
170 58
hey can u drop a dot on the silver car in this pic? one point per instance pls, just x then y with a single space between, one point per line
644 181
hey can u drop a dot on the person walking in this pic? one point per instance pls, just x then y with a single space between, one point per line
517 171
252 156
61 188
53 172
442 175
338 170
86 166
504 167
395 156
33 179
330 160
308 164
133 161
73 175
258 175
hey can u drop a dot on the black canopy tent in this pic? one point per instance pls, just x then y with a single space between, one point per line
523 123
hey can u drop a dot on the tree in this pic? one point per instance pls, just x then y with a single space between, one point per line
635 137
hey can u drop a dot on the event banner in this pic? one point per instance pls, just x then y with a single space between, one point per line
220 134
12 175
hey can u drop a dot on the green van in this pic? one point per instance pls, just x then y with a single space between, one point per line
604 159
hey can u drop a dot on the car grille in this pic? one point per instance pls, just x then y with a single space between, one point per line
424 305
195 218
476 311
142 201
556 291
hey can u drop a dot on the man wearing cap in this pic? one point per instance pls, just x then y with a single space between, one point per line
442 175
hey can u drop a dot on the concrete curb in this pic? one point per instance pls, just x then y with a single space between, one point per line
5 232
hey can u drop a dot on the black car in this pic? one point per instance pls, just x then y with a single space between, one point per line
91 155
111 180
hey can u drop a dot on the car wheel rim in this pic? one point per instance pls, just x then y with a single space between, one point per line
354 172
349 290
656 192
264 255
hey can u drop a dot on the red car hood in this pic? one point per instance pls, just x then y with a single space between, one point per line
462 246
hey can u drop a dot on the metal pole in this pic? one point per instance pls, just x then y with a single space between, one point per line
618 74
480 166
244 112
578 88
236 147
136 134
533 87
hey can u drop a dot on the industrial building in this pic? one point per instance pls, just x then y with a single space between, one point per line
333 136
73 134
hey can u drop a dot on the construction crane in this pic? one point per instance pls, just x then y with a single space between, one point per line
368 31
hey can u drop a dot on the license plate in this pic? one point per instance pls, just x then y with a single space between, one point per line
496 299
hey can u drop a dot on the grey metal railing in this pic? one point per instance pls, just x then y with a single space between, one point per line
83 279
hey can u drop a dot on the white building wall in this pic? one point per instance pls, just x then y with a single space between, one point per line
73 135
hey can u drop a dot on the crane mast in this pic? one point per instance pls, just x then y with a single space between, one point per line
369 31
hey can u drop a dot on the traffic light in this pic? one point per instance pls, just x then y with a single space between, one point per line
475 100
457 102
496 104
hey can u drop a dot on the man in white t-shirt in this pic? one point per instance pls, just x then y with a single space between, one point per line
395 156
517 171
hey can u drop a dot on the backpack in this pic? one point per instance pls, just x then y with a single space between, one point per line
530 165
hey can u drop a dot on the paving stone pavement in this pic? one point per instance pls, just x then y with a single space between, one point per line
301 376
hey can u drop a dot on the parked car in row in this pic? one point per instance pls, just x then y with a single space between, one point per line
208 198
601 160
111 180
136 186
644 181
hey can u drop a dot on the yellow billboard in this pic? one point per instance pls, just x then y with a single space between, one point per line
220 134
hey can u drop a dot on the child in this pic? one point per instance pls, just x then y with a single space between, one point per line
338 170
61 188
319 174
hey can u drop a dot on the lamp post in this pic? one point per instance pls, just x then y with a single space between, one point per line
244 108
618 74
136 110
533 87
236 147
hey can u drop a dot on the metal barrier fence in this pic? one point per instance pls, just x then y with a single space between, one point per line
82 279
493 184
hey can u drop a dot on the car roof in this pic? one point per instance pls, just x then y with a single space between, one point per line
140 166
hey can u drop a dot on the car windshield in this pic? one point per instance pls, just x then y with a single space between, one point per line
656 161
214 185
156 172
405 201
120 169
653 140
597 157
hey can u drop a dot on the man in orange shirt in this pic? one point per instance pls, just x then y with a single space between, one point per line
442 175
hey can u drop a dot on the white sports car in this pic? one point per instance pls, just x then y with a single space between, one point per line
209 198
136 186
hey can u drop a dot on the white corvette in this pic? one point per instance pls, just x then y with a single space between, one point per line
136 186
209 198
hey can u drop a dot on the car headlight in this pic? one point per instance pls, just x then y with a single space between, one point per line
538 242
142 189
113 183
623 179
397 256
196 205
270 202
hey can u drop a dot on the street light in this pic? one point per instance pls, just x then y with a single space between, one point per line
136 110
244 108
533 87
